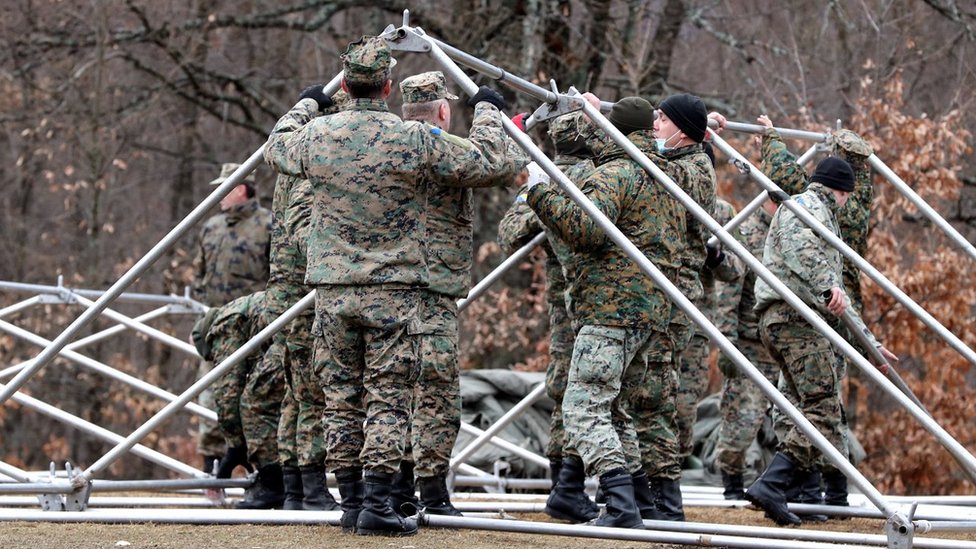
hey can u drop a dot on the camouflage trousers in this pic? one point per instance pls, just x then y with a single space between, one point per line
692 367
227 392
367 358
301 433
437 394
261 406
654 411
807 362
561 340
210 441
607 371
743 407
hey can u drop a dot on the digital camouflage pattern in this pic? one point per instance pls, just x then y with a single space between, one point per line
425 87
368 217
612 300
233 325
693 360
232 257
780 165
742 405
367 61
261 404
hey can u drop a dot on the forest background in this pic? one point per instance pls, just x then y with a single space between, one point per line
115 114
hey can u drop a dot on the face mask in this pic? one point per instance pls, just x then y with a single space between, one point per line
661 144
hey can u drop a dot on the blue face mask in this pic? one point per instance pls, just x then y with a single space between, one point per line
661 144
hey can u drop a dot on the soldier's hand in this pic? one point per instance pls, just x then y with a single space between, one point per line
889 356
713 254
488 95
317 92
763 121
838 302
720 121
519 120
727 367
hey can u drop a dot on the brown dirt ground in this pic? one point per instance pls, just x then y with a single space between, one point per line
34 535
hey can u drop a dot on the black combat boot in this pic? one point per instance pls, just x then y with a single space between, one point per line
733 486
236 456
667 498
435 498
351 489
768 494
835 488
644 498
555 465
621 510
403 498
806 489
377 517
568 500
293 488
315 492
268 491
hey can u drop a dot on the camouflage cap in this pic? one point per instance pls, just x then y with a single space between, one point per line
564 128
850 142
226 170
367 61
424 87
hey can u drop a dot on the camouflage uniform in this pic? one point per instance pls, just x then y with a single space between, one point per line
366 253
743 405
622 351
808 267
517 227
693 360
231 261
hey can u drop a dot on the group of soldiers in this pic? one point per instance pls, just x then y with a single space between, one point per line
373 212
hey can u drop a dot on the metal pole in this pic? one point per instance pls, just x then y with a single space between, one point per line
106 370
498 271
958 451
104 434
507 446
13 472
922 206
148 331
197 387
514 412
785 132
133 274
20 306
128 296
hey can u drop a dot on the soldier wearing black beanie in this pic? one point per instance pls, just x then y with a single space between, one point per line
688 113
834 173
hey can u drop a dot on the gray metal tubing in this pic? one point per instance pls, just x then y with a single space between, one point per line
506 445
133 274
105 370
168 484
785 132
957 450
505 482
471 470
922 206
87 427
175 516
13 472
20 306
514 412
109 332
925 526
757 202
120 501
148 331
127 297
195 389
500 270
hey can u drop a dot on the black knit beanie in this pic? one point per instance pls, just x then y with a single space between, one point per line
834 173
688 113
631 114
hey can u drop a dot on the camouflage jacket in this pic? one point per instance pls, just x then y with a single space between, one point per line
287 261
802 260
734 300
369 170
780 166
450 233
609 288
235 324
232 258
692 170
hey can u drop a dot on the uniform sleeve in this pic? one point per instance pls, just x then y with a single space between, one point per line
286 145
298 215
486 159
568 220
780 165
518 225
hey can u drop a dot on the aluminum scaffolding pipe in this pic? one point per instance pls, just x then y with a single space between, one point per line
104 369
127 296
506 445
514 412
957 450
498 271
87 427
785 132
148 331
19 306
253 345
13 472
922 206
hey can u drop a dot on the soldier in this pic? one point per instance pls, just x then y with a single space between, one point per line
622 314
231 261
367 169
780 165
810 268
517 227
743 404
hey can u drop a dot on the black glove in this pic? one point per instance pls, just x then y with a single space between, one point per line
727 367
714 255
317 92
235 456
487 94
